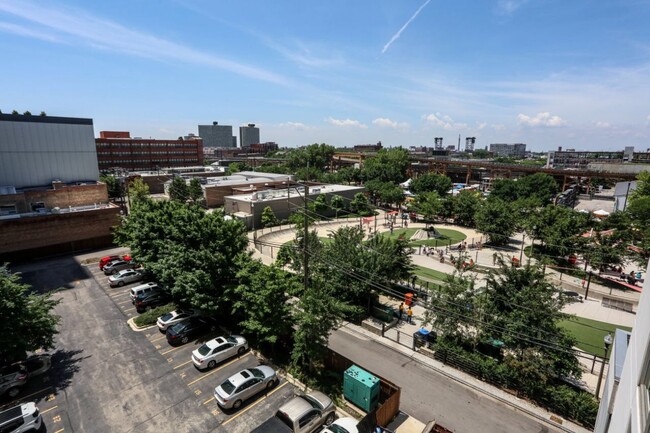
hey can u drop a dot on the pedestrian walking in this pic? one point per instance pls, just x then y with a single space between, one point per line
583 283
409 315
401 311
494 258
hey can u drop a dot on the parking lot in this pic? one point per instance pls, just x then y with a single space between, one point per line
128 380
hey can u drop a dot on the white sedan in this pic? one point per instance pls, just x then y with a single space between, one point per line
342 425
174 317
217 350
125 276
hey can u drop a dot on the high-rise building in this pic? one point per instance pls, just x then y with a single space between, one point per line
469 144
516 150
216 135
248 135
438 143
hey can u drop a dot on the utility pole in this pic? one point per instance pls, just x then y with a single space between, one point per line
521 253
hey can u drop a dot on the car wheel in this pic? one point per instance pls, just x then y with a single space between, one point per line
184 340
241 350
271 384
13 392
212 363
120 284
236 404
330 419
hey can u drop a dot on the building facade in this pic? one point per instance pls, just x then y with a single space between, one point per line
625 404
216 135
119 150
516 150
37 150
570 158
248 135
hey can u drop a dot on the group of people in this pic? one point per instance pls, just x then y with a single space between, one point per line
427 251
409 313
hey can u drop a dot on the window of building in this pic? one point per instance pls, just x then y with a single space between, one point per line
8 209
37 205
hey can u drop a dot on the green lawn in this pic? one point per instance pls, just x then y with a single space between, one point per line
447 236
588 337
429 274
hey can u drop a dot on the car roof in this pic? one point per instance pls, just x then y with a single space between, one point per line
301 404
241 377
215 342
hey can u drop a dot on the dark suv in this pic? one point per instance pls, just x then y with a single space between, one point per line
191 328
150 300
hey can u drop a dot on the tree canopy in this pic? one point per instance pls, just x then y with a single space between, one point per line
494 218
431 182
28 320
388 165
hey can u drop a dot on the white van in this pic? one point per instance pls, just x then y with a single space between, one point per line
22 418
142 289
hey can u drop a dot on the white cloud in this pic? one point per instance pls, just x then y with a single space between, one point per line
481 125
444 121
296 126
541 119
77 26
387 123
399 32
508 7
345 123
603 125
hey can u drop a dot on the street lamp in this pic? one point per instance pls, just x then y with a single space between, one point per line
608 342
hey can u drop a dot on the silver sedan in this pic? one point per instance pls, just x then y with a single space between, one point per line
244 385
125 276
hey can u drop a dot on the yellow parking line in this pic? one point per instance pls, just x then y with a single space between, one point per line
47 410
117 295
128 310
179 366
254 404
171 350
59 431
159 338
128 301
208 400
216 369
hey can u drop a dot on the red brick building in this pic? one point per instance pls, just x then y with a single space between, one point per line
118 149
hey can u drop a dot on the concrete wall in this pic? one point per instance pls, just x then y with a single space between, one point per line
36 150
61 196
55 234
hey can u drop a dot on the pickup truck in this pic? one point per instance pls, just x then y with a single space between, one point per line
303 414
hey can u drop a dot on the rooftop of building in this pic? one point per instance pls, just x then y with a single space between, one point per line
45 119
9 189
59 211
278 194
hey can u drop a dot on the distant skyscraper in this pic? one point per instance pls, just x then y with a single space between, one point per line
469 144
216 135
517 150
438 142
248 135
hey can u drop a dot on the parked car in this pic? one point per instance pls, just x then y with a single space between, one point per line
117 265
570 296
217 350
188 329
173 317
151 300
105 260
244 385
143 289
302 414
21 418
342 425
125 276
12 379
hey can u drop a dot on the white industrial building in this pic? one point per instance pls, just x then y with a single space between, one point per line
36 150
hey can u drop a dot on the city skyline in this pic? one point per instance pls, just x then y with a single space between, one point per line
540 72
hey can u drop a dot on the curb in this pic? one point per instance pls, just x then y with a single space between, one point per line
136 328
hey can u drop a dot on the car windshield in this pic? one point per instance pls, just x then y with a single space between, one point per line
204 350
231 339
179 327
311 400
228 387
337 429
257 373
167 317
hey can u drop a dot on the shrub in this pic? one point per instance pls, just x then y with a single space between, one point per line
150 317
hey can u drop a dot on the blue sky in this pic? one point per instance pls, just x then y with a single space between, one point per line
544 72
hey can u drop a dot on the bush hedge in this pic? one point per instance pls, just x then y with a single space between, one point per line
562 399
150 317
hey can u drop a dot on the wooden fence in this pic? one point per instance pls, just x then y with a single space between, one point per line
389 394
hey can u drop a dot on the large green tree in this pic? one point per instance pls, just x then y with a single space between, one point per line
522 309
388 165
494 219
431 182
560 230
191 252
315 156
178 190
28 322
261 298
429 205
113 185
268 217
465 205
138 190
195 191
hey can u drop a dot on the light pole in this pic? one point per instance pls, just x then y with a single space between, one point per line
608 342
